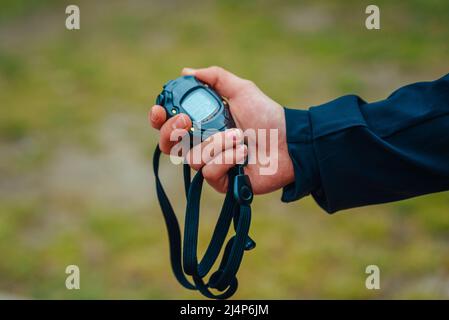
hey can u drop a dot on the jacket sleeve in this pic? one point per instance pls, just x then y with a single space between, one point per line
349 153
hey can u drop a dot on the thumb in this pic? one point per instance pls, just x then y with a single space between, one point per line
224 82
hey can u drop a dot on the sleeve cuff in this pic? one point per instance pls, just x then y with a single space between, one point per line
301 151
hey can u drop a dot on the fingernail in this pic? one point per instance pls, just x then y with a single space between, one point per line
180 122
189 70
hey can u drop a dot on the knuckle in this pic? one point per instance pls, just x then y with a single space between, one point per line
221 188
216 68
164 147
193 162
211 176
195 166
248 83
219 71
193 159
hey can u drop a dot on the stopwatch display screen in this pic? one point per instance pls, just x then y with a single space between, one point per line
200 104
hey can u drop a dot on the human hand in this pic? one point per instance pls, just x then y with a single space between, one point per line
250 109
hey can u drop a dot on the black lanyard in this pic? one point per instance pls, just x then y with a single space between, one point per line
236 208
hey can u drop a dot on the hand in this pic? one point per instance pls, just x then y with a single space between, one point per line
251 109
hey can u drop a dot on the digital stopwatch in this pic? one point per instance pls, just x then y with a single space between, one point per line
208 111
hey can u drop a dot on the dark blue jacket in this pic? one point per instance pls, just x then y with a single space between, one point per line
348 153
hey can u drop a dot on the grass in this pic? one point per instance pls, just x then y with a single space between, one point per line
76 184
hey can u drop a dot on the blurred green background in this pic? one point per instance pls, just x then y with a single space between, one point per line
75 149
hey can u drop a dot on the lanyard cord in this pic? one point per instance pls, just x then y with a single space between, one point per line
236 208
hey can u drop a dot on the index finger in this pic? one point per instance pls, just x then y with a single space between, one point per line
226 83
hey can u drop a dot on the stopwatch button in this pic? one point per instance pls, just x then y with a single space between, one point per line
160 99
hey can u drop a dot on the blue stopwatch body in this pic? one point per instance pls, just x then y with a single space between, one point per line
208 111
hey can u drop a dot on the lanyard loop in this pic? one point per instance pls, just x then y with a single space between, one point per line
236 208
